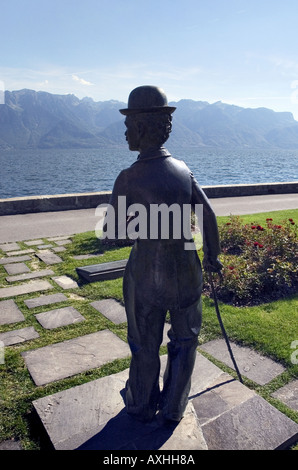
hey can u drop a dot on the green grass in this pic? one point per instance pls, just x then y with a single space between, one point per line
260 218
268 328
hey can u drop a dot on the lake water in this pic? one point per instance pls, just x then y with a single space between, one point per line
56 171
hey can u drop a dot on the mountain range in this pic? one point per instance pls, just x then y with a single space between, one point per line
31 119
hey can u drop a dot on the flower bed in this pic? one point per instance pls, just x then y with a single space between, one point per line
260 261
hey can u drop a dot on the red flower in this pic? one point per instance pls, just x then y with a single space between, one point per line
231 268
291 220
253 227
268 220
228 223
257 244
260 228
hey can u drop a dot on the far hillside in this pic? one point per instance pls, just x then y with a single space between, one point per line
31 119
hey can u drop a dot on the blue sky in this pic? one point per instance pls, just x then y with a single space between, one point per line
239 52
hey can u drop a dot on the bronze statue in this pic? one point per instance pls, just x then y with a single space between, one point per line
161 275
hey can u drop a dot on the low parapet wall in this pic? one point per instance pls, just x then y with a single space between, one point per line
62 202
58 202
236 190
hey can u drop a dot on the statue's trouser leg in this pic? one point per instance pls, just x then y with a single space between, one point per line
146 304
183 336
145 332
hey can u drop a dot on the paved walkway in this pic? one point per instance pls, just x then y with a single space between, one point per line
47 224
222 413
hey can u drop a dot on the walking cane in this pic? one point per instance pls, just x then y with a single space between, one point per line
223 328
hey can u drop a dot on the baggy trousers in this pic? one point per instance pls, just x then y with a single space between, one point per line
149 294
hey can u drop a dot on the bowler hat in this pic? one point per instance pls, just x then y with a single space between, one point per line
147 99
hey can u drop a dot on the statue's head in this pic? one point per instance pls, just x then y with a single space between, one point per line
147 99
148 118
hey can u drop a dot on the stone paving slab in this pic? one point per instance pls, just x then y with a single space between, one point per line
63 242
288 394
235 418
18 336
20 252
16 268
45 300
44 247
61 360
28 288
65 282
9 246
34 242
10 312
92 417
15 259
58 249
10 445
31 275
251 364
49 258
111 309
59 317
165 339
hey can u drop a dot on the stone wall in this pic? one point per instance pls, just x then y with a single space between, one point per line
61 202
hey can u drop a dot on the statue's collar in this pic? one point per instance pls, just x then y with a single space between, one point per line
149 154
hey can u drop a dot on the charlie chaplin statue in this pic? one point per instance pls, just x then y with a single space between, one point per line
161 276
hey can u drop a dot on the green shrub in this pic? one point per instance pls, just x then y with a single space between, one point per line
260 261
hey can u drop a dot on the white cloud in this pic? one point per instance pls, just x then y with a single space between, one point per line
81 80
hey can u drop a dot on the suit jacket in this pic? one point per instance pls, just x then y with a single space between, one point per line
159 266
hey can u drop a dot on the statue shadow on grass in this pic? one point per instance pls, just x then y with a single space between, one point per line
124 432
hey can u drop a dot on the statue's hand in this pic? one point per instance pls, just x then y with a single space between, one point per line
212 265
